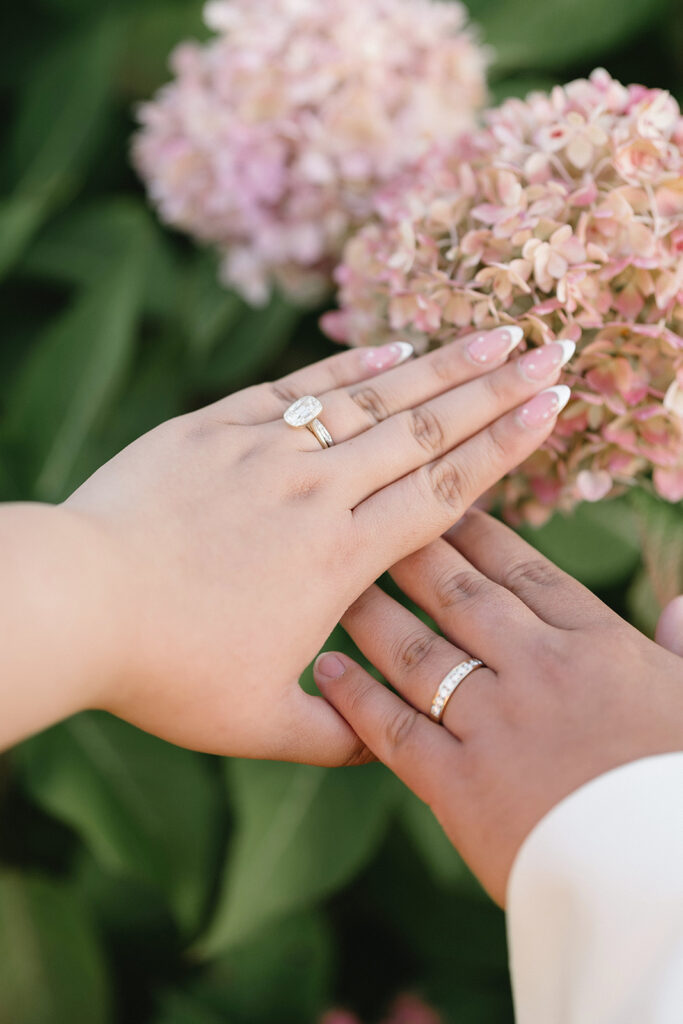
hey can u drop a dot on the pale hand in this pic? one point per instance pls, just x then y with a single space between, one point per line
221 549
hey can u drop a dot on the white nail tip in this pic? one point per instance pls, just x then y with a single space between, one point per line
406 350
568 349
562 393
516 334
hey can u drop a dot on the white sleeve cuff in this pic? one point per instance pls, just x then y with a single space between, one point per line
595 903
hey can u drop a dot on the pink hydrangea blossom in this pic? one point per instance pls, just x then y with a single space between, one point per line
406 1009
564 214
273 136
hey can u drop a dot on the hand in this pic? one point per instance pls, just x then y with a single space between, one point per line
569 689
670 627
239 541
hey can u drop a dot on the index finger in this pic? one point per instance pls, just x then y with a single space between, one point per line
422 753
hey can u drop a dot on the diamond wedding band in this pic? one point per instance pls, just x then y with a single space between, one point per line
449 685
304 413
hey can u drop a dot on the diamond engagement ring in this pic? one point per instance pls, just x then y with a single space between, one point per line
304 413
449 685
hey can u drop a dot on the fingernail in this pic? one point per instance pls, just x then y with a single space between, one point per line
492 346
544 406
329 666
542 362
386 356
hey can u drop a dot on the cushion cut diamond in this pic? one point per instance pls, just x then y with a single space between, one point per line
303 411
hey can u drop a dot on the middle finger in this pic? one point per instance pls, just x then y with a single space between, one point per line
407 440
471 610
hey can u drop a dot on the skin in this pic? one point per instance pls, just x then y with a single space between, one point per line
188 583
569 690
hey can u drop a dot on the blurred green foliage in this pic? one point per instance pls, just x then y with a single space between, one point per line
139 882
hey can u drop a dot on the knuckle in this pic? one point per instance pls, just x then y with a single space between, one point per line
356 694
499 444
200 428
371 403
533 571
449 484
284 391
304 489
411 651
305 477
427 430
497 389
443 366
455 588
551 656
359 755
399 728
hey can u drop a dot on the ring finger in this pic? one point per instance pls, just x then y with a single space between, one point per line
415 659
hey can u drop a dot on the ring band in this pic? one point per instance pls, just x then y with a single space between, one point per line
304 413
449 684
321 433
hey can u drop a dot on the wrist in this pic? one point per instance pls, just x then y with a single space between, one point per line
100 611
62 601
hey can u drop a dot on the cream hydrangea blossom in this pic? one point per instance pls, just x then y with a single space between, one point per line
565 214
273 136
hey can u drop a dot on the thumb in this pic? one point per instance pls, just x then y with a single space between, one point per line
669 631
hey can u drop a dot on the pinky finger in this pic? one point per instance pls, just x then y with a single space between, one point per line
419 751
421 506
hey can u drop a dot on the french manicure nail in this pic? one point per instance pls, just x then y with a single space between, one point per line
544 407
329 666
492 346
386 356
544 361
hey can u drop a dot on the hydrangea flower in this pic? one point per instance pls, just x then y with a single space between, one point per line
273 136
564 214
406 1009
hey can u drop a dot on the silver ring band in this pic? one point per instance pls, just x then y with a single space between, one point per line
449 684
304 413
321 433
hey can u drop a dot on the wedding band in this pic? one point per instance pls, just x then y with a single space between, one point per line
304 413
449 684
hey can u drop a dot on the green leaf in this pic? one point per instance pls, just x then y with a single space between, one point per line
598 543
257 338
183 1008
519 86
80 247
287 965
660 525
209 313
56 131
436 849
544 36
73 374
20 216
51 965
145 808
154 392
301 833
153 30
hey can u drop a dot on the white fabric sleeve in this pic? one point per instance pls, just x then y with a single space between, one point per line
595 903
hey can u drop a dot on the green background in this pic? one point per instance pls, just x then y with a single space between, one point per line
140 882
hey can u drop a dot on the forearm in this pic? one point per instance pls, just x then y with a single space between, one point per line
59 622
